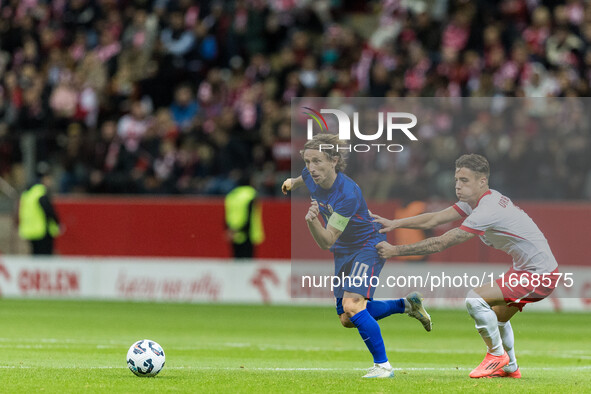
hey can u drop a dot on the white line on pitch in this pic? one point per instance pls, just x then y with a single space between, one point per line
570 368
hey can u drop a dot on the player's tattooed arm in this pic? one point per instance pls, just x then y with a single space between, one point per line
427 246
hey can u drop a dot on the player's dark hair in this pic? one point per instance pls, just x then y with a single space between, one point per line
326 140
474 162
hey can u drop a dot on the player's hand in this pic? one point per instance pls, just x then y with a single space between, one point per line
387 225
286 185
385 250
313 211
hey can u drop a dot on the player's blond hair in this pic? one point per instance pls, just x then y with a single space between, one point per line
474 162
325 140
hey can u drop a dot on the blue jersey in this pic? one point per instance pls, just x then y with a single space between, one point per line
345 198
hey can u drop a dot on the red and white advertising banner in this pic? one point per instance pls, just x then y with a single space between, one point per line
263 281
183 280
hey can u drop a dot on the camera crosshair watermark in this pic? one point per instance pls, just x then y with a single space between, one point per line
344 124
344 129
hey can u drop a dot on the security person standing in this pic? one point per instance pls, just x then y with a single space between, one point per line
38 221
244 219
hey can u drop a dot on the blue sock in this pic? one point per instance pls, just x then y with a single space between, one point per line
369 329
380 309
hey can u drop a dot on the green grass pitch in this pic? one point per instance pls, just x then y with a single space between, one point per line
75 346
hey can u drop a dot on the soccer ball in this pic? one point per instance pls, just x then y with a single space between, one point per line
145 358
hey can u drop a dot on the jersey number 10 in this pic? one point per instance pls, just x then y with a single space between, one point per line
359 270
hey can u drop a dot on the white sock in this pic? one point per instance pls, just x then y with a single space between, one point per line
486 322
506 332
385 365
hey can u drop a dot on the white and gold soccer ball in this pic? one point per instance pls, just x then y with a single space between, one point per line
145 358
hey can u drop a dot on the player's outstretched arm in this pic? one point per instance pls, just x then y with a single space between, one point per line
291 184
424 221
427 246
387 225
324 237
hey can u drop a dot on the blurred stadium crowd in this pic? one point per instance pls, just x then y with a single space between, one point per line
185 97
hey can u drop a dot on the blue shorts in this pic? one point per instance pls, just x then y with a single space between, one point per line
357 269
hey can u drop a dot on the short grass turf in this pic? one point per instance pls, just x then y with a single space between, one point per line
74 346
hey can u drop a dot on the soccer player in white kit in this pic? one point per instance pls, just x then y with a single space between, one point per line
504 226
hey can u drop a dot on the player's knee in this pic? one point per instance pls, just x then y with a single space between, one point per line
473 301
351 309
345 321
353 305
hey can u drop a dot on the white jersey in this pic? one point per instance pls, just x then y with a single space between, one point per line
504 226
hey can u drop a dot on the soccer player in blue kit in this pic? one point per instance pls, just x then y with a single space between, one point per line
350 234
